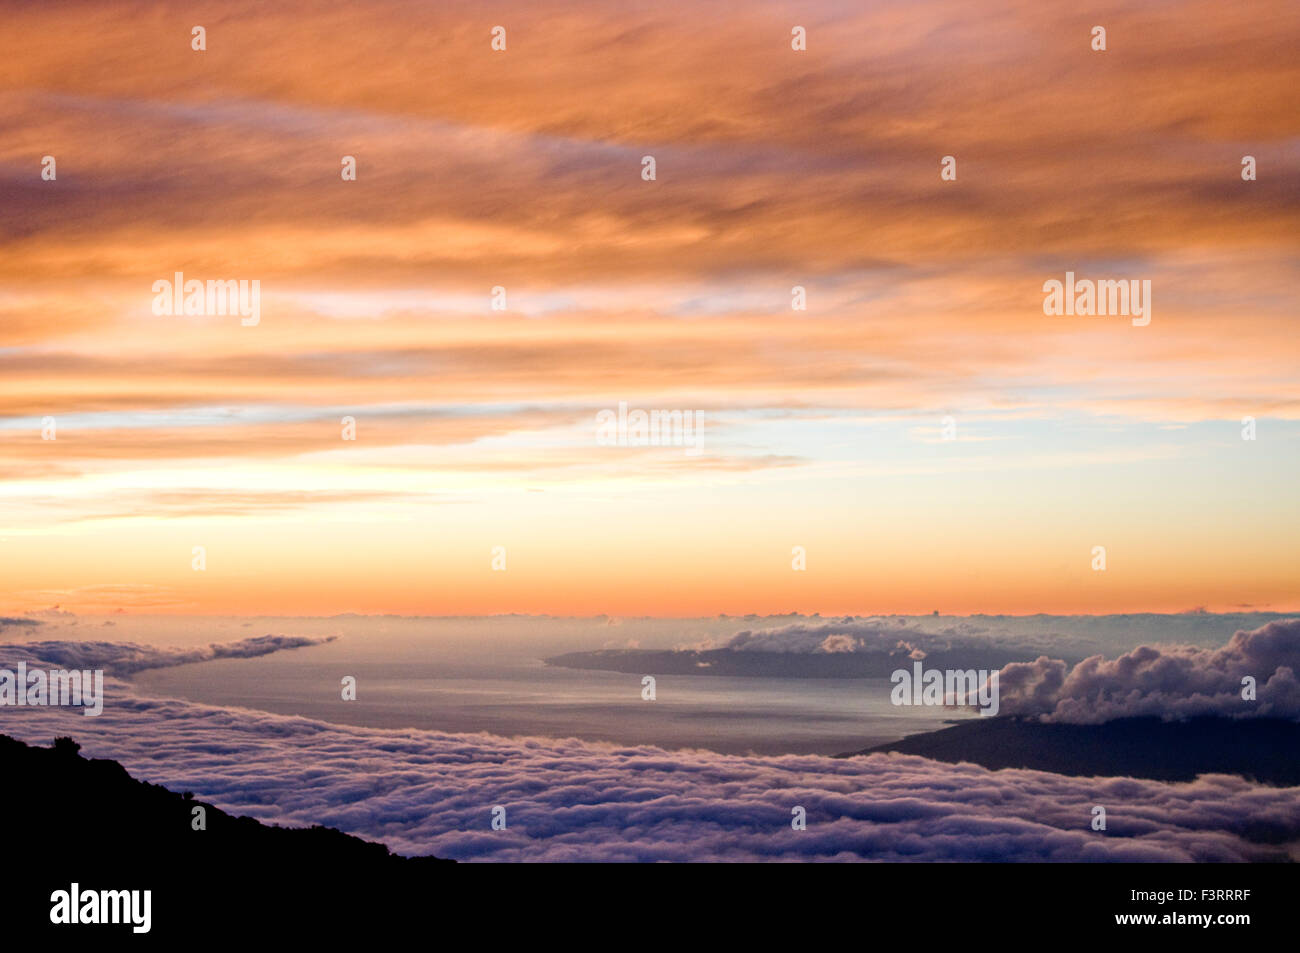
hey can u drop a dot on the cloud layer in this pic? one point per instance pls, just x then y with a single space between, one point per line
1175 681
565 800
127 658
895 636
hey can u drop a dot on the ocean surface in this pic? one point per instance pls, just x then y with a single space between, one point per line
468 676
488 675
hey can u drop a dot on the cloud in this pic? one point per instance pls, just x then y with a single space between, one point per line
893 636
848 635
838 643
750 202
566 800
18 623
1178 681
127 658
54 613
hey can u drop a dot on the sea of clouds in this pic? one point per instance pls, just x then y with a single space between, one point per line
426 792
1171 681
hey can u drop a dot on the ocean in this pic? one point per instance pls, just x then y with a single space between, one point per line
487 675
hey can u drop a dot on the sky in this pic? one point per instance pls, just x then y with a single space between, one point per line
522 169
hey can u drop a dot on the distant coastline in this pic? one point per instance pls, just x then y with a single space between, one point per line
1266 750
759 664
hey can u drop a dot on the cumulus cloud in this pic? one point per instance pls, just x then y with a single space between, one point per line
126 658
838 643
846 635
893 636
1177 681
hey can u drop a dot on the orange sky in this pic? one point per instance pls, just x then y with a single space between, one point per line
522 169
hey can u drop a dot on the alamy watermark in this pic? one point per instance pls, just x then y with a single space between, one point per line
976 688
57 687
75 905
654 428
1103 297
213 297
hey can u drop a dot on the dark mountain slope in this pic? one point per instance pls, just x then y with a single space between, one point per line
71 819
1262 749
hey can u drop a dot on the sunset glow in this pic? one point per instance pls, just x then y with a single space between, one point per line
476 428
